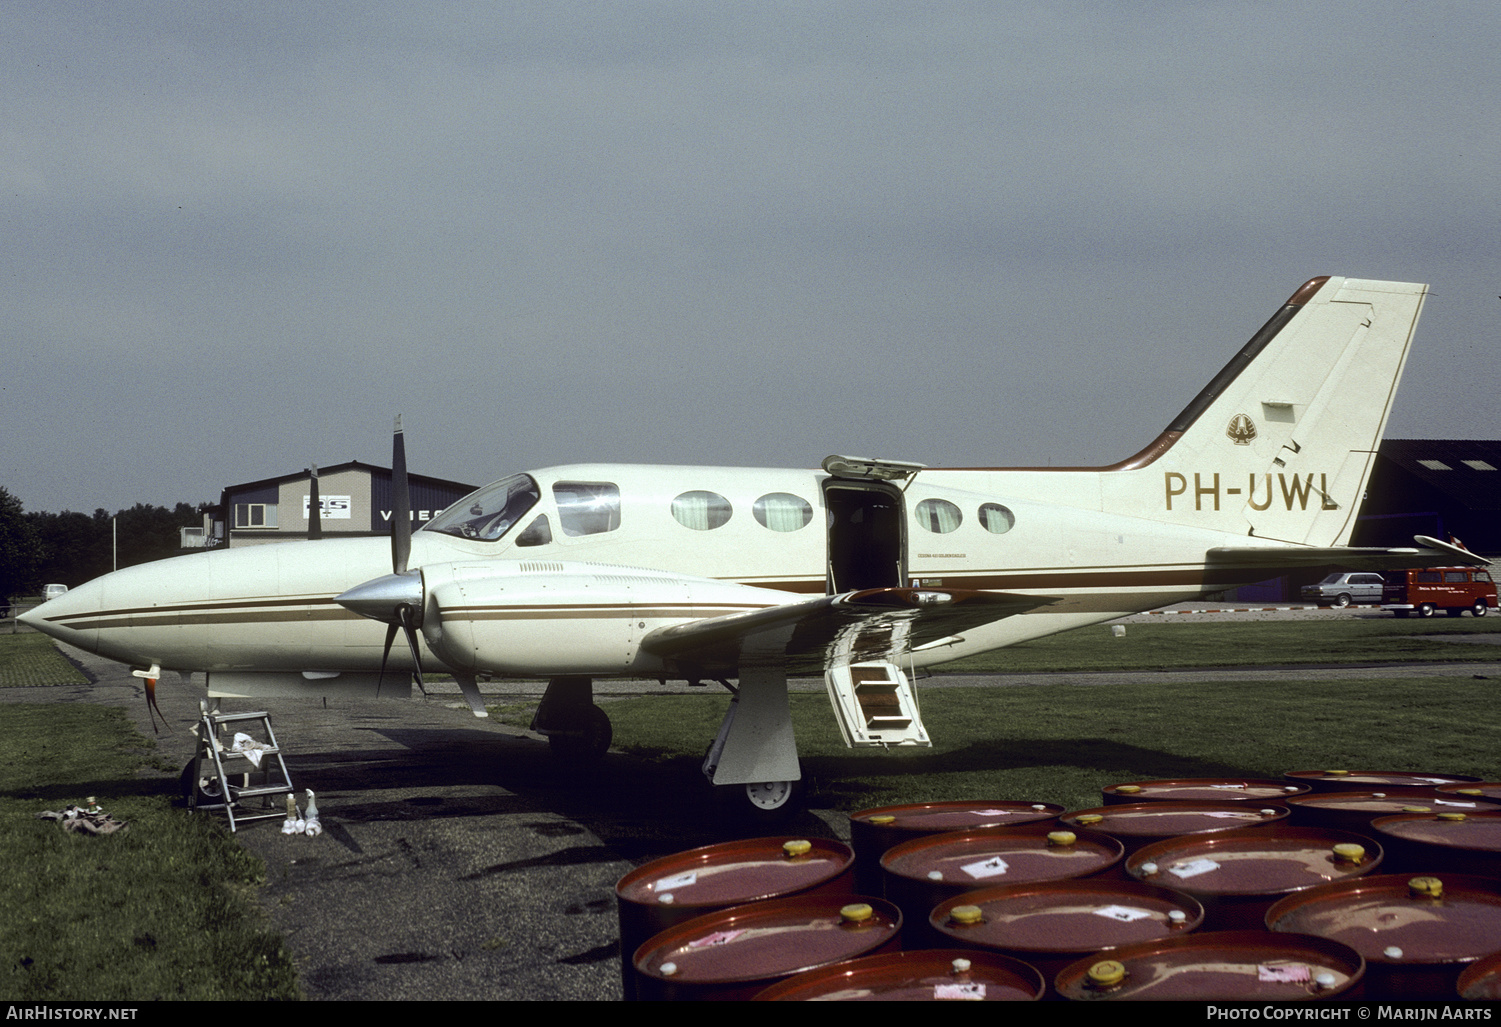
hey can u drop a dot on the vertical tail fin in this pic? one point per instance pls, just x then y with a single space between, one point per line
1280 444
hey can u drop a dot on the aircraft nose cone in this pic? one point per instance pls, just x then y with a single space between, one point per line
70 617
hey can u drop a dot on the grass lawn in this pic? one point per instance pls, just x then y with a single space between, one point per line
1184 642
164 910
31 659
1063 743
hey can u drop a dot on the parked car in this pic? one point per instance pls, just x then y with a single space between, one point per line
52 591
1345 587
1451 589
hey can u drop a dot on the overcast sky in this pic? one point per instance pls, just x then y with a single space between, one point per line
240 237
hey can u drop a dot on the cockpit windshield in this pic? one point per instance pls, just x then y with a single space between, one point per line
489 513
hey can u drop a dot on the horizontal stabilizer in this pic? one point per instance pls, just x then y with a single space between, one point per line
1429 553
812 635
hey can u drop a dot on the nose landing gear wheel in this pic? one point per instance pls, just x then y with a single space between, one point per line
198 790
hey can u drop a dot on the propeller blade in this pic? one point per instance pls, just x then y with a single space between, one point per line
384 656
410 628
401 503
314 509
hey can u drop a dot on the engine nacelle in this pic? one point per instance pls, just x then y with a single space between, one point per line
550 618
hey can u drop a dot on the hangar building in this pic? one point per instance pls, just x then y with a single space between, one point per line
355 500
1436 487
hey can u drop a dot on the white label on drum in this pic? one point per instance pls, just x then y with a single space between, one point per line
995 866
1125 914
1193 868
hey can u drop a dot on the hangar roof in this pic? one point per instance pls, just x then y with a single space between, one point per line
373 470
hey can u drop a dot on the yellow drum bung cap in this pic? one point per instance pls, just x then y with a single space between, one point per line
967 915
1336 773
1128 789
1416 809
1469 791
1106 973
1456 817
1349 852
883 819
797 847
857 912
1088 819
1062 837
1425 888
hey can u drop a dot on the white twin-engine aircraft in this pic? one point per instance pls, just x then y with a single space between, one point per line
859 572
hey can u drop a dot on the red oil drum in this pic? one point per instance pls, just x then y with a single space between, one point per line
1051 924
1417 933
1481 980
735 953
932 975
1354 810
1220 966
1137 824
925 871
1376 780
873 831
1201 789
689 884
1454 842
1237 875
1483 790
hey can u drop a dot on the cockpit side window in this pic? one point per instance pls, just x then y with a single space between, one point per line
587 507
537 533
488 514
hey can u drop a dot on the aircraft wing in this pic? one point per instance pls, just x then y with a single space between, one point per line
812 635
1429 552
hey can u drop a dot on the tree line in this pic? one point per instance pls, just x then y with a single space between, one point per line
38 548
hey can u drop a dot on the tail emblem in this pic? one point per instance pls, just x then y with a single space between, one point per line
1242 430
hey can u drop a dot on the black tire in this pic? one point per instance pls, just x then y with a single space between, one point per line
203 791
1481 608
1426 609
1342 600
586 742
762 806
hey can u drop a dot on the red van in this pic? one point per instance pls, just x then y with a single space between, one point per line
1451 589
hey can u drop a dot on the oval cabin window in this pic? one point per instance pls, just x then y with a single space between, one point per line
782 511
938 516
701 511
996 518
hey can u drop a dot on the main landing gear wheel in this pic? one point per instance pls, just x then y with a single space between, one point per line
762 804
770 795
585 738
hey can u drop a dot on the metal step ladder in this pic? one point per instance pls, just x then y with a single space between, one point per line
875 705
217 766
